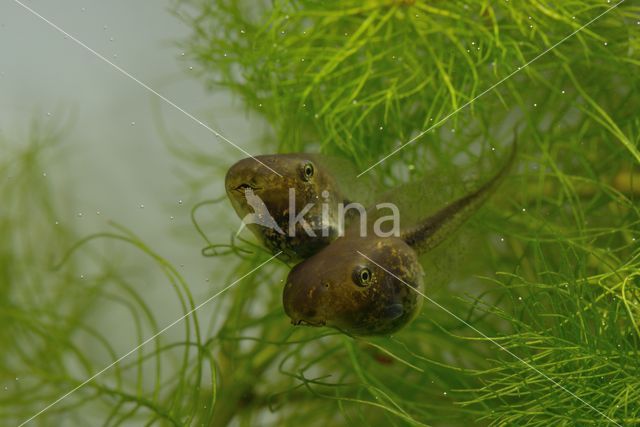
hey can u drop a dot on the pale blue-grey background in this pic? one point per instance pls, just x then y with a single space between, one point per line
111 166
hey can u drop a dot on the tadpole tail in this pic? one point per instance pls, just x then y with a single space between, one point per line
434 230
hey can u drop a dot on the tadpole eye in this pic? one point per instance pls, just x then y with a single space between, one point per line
307 171
362 276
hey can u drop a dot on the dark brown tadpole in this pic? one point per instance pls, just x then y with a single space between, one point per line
295 213
372 285
339 288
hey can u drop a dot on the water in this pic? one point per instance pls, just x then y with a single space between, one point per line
544 239
115 160
115 165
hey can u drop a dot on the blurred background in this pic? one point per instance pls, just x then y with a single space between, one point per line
113 163
115 160
106 157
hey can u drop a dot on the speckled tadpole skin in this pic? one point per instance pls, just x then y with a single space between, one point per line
325 289
328 288
273 190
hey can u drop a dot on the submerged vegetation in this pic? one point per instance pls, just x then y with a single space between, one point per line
534 311
555 258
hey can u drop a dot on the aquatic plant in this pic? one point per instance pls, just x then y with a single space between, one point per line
557 303
533 308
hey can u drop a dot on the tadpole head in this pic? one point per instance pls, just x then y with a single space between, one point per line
257 175
360 295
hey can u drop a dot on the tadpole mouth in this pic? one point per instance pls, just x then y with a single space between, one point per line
303 322
242 188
